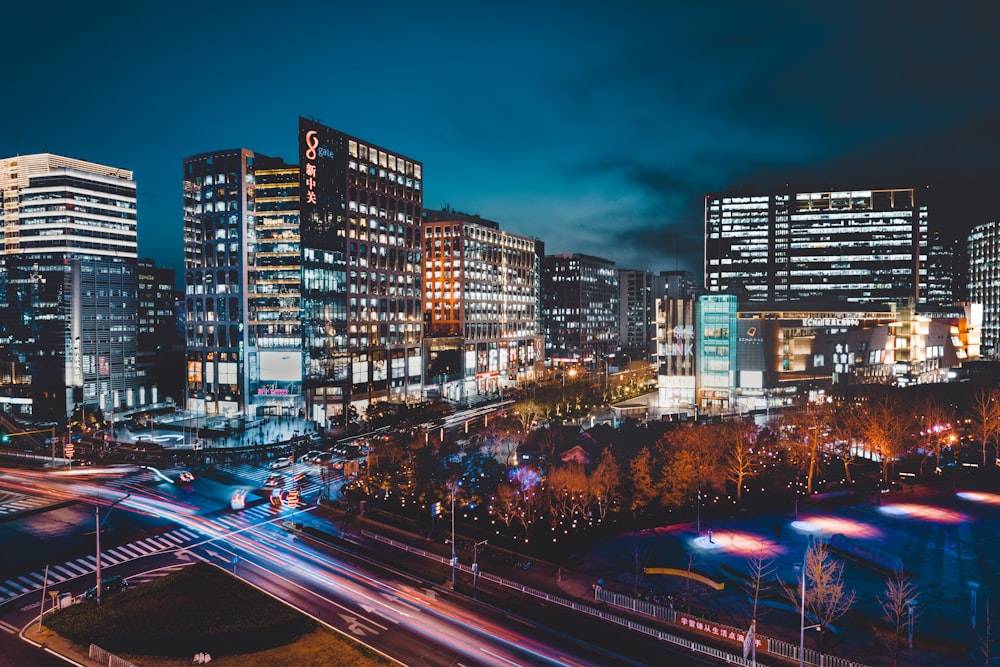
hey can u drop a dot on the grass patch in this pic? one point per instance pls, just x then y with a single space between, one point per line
202 608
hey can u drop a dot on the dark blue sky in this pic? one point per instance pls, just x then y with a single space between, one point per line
595 126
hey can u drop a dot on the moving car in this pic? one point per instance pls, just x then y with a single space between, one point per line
282 462
185 477
109 586
275 480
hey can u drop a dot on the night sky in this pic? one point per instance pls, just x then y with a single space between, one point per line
597 127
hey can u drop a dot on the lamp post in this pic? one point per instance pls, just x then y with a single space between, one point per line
97 535
698 512
909 620
454 557
973 587
475 565
802 611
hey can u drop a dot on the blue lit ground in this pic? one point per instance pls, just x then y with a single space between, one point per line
944 540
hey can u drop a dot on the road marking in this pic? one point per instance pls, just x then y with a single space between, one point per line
7 627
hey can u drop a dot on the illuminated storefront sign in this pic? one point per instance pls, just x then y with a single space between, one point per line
831 322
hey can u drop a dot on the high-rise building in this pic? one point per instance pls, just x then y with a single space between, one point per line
69 288
303 281
637 313
858 245
947 267
218 227
579 307
160 343
984 282
362 313
481 294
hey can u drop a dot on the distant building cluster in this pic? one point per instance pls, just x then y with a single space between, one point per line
315 289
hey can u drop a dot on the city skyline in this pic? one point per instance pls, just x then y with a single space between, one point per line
598 131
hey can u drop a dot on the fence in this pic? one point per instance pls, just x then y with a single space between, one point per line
774 646
110 659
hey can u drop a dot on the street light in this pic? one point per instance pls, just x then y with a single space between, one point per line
475 565
454 556
802 619
97 535
973 587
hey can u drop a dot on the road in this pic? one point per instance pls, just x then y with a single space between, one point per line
161 524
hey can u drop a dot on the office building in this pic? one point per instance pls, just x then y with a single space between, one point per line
481 295
362 313
637 313
69 290
863 246
160 343
984 282
579 308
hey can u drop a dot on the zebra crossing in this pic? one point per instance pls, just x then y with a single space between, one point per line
174 539
257 474
12 503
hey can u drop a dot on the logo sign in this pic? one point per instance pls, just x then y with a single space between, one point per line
309 166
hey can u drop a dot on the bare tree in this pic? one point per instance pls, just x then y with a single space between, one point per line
881 424
526 412
984 413
898 604
827 597
933 422
739 441
760 569
810 427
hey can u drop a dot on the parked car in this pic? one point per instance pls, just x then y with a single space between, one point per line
279 463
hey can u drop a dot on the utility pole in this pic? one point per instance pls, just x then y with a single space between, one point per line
97 534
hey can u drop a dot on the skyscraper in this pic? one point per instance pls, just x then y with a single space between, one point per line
984 282
362 266
637 313
69 287
858 245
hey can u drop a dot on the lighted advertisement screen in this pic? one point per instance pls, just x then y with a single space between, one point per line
280 366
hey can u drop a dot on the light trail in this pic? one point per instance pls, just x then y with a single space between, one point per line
447 625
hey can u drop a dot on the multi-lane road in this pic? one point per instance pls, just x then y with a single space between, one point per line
158 525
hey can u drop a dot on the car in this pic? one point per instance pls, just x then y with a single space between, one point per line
238 500
109 586
310 455
300 478
282 462
275 480
324 457
185 477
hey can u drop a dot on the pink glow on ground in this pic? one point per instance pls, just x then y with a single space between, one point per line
924 512
738 543
980 497
832 525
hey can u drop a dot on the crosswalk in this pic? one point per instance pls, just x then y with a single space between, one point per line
174 539
257 475
12 503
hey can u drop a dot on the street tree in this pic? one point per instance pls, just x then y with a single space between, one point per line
899 605
933 429
809 427
984 415
827 596
526 411
738 438
644 488
604 483
881 425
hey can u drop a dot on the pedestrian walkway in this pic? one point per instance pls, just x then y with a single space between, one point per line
171 540
14 503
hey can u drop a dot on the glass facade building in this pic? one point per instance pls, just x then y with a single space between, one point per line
362 313
481 291
69 288
984 282
637 313
858 245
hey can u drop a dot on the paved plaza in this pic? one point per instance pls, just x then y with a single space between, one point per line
944 540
